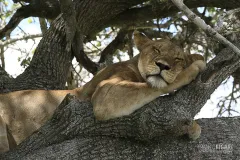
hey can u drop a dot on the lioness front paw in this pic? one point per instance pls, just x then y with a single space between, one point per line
200 64
194 69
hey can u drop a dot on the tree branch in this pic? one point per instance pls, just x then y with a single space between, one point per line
43 25
74 36
134 15
13 40
4 77
36 8
86 62
69 16
206 28
113 46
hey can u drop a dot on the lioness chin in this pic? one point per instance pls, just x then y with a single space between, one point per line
160 68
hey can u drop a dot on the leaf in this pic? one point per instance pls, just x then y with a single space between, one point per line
98 44
30 20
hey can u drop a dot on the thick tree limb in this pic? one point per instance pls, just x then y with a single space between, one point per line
74 37
135 15
69 16
220 142
126 18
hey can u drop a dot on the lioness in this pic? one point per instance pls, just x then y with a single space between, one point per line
117 90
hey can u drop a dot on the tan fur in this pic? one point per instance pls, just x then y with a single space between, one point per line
115 91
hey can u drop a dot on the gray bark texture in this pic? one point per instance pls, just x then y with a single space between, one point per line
153 132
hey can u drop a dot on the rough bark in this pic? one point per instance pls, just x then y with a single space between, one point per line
159 10
214 144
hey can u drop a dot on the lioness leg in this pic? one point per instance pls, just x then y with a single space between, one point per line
4 146
116 97
11 141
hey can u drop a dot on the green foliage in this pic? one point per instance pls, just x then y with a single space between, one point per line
7 8
25 62
30 20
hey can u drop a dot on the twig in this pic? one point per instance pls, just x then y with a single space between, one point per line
48 10
13 40
206 28
43 25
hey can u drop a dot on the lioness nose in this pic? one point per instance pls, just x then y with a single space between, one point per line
162 66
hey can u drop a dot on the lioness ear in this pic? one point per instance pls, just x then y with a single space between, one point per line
140 40
193 57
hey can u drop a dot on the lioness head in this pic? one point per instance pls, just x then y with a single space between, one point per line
160 61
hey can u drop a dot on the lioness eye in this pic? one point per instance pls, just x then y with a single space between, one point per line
156 49
178 59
